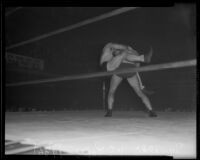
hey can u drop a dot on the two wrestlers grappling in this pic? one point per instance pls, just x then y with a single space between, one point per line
116 57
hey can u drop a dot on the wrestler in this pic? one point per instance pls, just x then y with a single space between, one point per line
116 57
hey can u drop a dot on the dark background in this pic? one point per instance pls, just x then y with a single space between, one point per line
169 30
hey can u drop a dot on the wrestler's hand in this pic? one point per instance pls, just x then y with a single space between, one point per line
132 51
116 53
123 55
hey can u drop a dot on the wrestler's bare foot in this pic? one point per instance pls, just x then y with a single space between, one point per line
152 114
109 113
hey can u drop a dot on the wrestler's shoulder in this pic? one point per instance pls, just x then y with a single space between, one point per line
108 44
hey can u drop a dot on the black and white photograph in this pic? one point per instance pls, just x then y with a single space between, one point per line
101 81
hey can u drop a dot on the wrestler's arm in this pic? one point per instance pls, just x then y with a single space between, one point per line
118 46
115 62
135 58
133 55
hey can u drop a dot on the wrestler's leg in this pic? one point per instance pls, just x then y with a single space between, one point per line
148 56
114 83
134 82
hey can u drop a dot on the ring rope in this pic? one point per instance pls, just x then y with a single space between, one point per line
12 11
73 26
155 67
